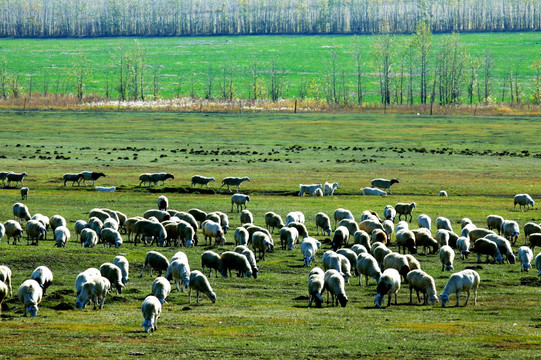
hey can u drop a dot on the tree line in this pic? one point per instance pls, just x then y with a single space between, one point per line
103 18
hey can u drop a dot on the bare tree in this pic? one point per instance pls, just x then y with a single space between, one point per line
488 62
383 49
79 72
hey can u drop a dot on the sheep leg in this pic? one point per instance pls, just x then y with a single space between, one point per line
197 296
458 298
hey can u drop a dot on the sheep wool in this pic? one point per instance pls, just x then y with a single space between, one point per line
423 283
334 284
316 284
151 309
464 280
447 255
30 294
199 283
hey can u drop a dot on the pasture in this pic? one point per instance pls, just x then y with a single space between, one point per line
481 162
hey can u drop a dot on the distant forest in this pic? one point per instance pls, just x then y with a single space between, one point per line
103 18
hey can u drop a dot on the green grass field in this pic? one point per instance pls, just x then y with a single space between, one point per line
480 161
302 59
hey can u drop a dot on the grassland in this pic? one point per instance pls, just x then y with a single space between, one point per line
268 317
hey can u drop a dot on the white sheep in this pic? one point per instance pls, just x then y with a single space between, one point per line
421 282
200 283
301 228
520 199
318 192
124 267
351 256
341 214
447 255
442 193
289 236
351 225
24 193
368 266
62 236
146 228
495 222
179 271
388 284
201 180
212 230
379 250
89 238
334 284
14 230
84 277
234 261
466 230
261 243
78 227
11 176
111 237
161 215
370 225
295 216
161 288
272 221
308 188
329 188
384 183
464 280
316 285
3 231
211 260
358 249
112 273
361 237
443 223
95 224
333 260
161 176
442 236
20 211
105 188
198 214
35 231
525 255
241 236
402 225
398 262
3 293
189 218
246 217
388 228
478 233
372 191
155 260
5 276
389 213
111 224
250 256
464 222
95 289
44 276
30 294
405 239
151 309
74 178
463 245
163 202
405 209
91 175
530 228
309 247
340 237
42 219
370 215
487 247
233 181
239 200
510 230
504 246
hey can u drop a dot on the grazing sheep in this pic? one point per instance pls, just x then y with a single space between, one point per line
272 221
301 229
214 217
24 193
74 178
261 243
389 213
211 230
442 237
130 225
62 236
155 260
179 271
466 230
13 229
372 191
44 276
224 220
510 230
110 224
78 227
351 256
405 209
309 189
361 237
530 228
412 262
402 225
525 255
30 294
155 178
42 219
309 247
340 238
182 215
163 202
211 260
234 261
329 188
294 216
241 249
405 239
241 236
3 293
443 223
233 181
95 224
384 184
535 240
370 215
84 277
147 228
200 283
35 231
20 211
464 280
161 215
442 193
495 222
2 231
95 289
334 284
186 234
379 252
161 288
378 235
124 267
89 238
463 245
333 260
388 284
351 225
112 273
111 237
358 249
520 199
504 246
91 175
316 285
246 217
16 177
367 265
447 255
370 225
198 215
100 214
201 180
452 239
341 214
398 262
239 200
488 247
5 276
151 309
478 233
289 236
421 282
253 228
4 175
388 228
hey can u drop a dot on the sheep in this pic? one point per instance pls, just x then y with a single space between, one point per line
308 188
272 221
389 213
495 222
74 178
358 249
329 188
447 255
161 176
520 199
530 228
289 236
525 255
100 214
78 227
20 211
405 239
370 215
535 240
105 188
13 229
334 284
241 236
186 234
233 181
35 230
246 217
295 216
351 225
464 280
384 183
442 193
405 209
341 214
44 276
488 247
368 266
111 237
421 282
201 180
24 193
301 229
261 243
253 228
161 215
211 260
478 233
452 239
179 271
538 264
155 260
3 293
163 202
463 245
239 200
214 217
340 238
504 246
370 225
412 262
161 288
235 261
510 230
151 309
372 191
4 175
124 267
42 219
464 222
182 215
380 252
318 192
91 175
309 247
361 237
199 282
211 230
316 285
198 215
378 235
84 277
95 224
62 236
398 262
144 178
443 223
224 220
388 228
147 228
466 230
442 236
30 294
333 260
241 249
402 225
16 177
5 276
89 238
95 289
388 284
112 273
110 224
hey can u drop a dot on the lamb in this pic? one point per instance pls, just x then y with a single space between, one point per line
463 245
420 281
74 178
261 242
295 216
35 231
405 239
388 284
368 266
161 215
329 188
84 277
442 193
20 211
246 217
464 280
241 236
4 175
233 181
179 270
161 288
151 309
351 225
525 255
341 214
520 199
272 221
535 240
16 177
89 238
163 202
96 289
340 238
5 276
373 191
62 236
111 237
384 183
308 188
124 267
504 246
289 236
309 247
316 285
301 229
510 230
495 222
530 228
147 228
447 255
318 192
211 230
488 247
398 262
358 249
211 260
405 209
442 236
13 229
479 233
235 261
155 178
112 273
198 215
380 252
239 200
201 180
155 260
334 284
388 228
91 175
361 237
443 223
44 276
30 294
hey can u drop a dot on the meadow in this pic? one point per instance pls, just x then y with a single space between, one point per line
482 162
